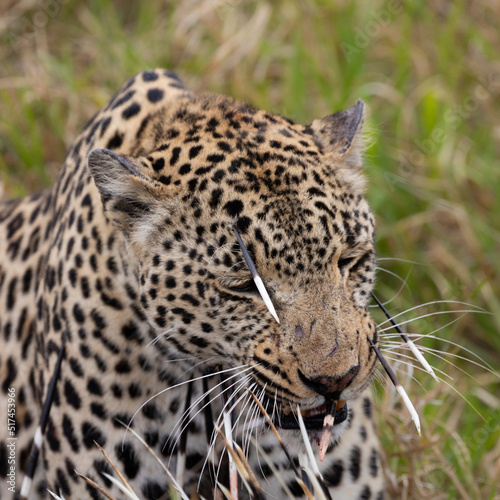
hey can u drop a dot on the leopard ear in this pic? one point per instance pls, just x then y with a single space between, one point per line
126 192
342 133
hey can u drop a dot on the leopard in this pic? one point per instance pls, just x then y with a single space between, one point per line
130 277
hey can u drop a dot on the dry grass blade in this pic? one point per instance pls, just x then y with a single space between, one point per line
321 492
113 466
175 484
224 490
244 470
59 497
298 477
94 485
319 485
251 475
307 443
120 486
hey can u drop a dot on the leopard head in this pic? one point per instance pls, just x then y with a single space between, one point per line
207 166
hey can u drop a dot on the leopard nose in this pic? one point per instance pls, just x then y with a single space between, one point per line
329 386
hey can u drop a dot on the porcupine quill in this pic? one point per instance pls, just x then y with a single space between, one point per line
255 276
38 439
397 385
409 342
228 426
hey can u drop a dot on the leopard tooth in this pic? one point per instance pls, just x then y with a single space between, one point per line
340 405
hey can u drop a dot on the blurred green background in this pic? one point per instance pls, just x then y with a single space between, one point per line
430 75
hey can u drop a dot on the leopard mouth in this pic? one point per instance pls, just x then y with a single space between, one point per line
313 418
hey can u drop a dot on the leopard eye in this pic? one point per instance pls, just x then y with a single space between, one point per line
247 286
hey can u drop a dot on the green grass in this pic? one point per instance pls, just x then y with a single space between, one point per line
428 72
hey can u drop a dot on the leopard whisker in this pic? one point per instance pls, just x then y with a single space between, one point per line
163 391
246 401
187 417
483 364
275 404
175 484
408 361
237 265
397 385
379 377
404 281
193 367
212 438
397 259
222 247
251 419
405 337
435 313
419 336
177 360
275 471
443 355
435 302
231 400
256 278
245 410
159 337
256 491
450 386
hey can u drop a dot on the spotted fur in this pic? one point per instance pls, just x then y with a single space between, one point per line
132 256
